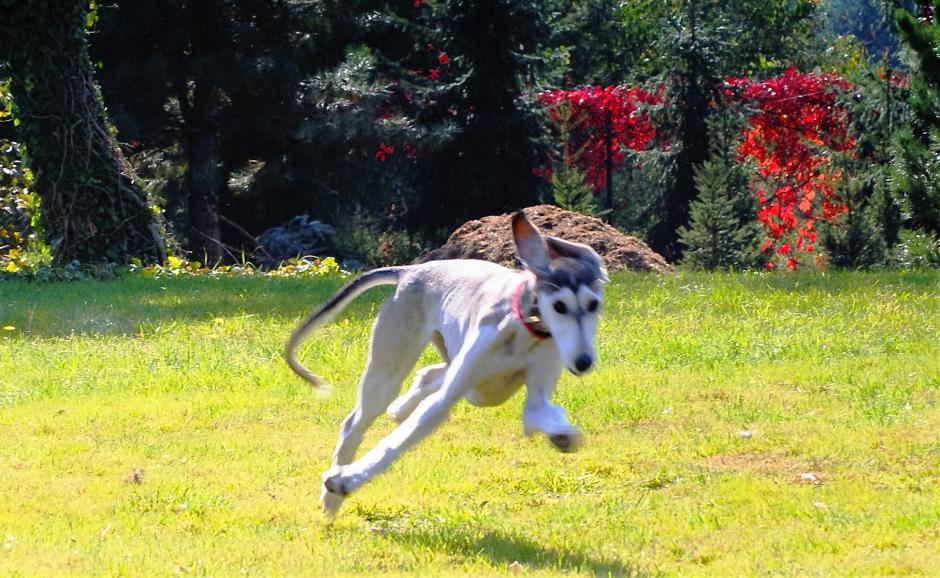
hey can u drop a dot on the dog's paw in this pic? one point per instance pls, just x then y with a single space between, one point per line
566 442
330 503
335 483
400 409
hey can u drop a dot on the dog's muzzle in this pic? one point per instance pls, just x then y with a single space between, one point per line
582 364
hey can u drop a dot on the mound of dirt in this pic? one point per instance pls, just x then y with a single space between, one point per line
490 239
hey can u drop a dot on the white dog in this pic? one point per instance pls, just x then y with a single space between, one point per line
495 329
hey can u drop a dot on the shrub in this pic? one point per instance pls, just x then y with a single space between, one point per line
917 250
19 212
365 241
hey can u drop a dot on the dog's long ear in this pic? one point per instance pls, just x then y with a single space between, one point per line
530 245
561 248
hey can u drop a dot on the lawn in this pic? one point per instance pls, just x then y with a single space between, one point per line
737 424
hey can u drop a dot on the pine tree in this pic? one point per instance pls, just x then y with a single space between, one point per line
859 236
717 237
722 233
217 84
916 167
691 86
856 238
571 191
485 166
704 41
856 243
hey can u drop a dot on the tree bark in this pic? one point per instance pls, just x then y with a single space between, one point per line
609 161
203 179
201 105
92 210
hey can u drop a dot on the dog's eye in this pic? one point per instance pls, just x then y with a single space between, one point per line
592 305
560 307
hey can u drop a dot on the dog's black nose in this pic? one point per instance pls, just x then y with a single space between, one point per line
583 363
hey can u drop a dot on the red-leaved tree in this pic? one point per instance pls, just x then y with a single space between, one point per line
793 137
612 118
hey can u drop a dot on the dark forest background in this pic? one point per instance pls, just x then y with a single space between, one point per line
233 130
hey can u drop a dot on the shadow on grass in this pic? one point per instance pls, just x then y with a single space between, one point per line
130 305
135 304
503 550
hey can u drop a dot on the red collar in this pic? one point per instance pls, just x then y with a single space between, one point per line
536 332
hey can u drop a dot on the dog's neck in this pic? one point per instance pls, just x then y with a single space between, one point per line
525 306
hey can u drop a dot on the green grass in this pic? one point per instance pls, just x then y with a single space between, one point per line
837 375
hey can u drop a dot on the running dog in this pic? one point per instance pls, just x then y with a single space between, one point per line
494 328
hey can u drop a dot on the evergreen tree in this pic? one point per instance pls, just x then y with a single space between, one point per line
92 211
571 192
215 84
916 177
859 237
869 21
714 237
916 166
604 42
484 165
611 41
723 233
706 41
570 188
856 242
688 47
691 86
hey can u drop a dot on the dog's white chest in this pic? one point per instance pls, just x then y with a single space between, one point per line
496 388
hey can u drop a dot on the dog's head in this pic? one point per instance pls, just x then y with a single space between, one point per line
570 280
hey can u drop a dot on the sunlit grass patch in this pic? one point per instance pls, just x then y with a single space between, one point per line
737 424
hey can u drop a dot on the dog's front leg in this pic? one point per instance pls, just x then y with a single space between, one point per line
461 375
427 380
540 415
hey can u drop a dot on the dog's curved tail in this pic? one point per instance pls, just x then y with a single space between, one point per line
325 312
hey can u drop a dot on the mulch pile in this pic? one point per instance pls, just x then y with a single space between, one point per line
490 239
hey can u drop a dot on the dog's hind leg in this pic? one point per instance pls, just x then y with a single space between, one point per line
397 341
462 373
427 380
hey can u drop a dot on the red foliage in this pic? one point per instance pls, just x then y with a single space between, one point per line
590 106
792 139
384 152
543 173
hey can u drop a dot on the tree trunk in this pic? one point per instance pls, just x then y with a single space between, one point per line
201 105
92 210
693 137
692 134
609 161
203 184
